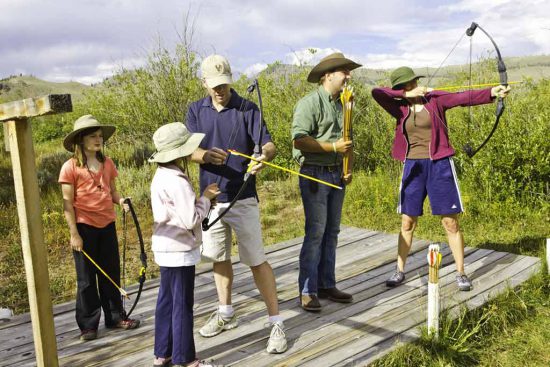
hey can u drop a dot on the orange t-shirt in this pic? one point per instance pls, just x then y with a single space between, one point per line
93 203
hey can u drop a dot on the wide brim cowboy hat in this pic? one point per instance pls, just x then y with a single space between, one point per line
173 141
330 63
83 123
401 76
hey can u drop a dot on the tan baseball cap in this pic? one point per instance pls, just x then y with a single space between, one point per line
215 70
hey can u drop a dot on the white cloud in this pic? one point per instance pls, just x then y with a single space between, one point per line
82 40
308 56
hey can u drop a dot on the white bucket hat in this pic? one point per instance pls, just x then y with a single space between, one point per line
174 141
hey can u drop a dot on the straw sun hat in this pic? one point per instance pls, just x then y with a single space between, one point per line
83 123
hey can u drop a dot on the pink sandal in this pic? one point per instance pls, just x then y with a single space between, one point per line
125 324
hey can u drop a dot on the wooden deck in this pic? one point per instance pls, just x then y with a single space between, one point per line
341 335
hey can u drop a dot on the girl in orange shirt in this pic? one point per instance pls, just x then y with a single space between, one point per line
89 194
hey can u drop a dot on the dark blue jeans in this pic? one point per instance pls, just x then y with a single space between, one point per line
323 210
174 315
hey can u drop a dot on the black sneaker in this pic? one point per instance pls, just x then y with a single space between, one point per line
397 278
88 334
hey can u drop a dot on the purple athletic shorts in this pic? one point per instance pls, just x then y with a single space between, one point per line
437 179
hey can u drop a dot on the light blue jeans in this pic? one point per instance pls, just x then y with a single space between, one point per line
323 210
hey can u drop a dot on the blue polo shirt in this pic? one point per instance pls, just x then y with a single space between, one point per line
237 127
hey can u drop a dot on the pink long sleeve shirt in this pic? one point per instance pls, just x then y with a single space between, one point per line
177 215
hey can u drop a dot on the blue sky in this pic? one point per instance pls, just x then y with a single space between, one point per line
88 40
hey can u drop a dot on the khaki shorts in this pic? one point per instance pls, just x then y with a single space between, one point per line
244 219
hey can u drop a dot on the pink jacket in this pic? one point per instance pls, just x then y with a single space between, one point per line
436 102
177 213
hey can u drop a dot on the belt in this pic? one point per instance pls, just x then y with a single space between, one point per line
334 168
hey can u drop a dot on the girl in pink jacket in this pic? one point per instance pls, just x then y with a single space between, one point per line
177 215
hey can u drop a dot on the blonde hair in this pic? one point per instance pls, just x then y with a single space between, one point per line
79 155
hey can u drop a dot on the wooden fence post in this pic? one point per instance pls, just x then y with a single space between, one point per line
19 134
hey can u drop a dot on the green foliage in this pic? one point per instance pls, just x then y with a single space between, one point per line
505 187
139 101
48 169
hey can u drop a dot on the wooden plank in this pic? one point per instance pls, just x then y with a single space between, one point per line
378 351
241 330
32 241
32 107
295 317
257 303
321 334
206 268
244 279
346 334
6 139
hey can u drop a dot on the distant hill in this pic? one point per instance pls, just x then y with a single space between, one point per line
20 87
535 67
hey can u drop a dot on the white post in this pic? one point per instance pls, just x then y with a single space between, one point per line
434 260
548 254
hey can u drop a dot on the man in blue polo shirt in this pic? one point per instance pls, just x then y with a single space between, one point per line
232 122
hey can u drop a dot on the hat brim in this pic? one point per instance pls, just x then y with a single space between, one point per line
68 142
219 80
401 84
328 65
182 151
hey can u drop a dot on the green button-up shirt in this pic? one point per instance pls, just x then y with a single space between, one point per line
320 116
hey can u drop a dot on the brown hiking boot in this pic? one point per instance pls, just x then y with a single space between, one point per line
334 294
310 303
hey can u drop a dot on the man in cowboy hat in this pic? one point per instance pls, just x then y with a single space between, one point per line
317 129
232 122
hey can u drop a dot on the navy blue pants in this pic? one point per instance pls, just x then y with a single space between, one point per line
174 315
94 290
436 179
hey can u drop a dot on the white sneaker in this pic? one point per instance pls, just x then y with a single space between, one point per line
216 324
277 339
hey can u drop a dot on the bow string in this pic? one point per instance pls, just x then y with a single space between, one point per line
503 76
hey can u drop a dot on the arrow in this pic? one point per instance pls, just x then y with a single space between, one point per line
284 169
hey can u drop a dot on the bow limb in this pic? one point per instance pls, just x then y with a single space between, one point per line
503 75
206 224
142 256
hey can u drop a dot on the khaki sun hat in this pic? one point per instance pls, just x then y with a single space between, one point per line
329 63
174 141
83 123
403 75
215 70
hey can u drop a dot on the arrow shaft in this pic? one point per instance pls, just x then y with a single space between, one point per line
451 87
285 169
122 291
